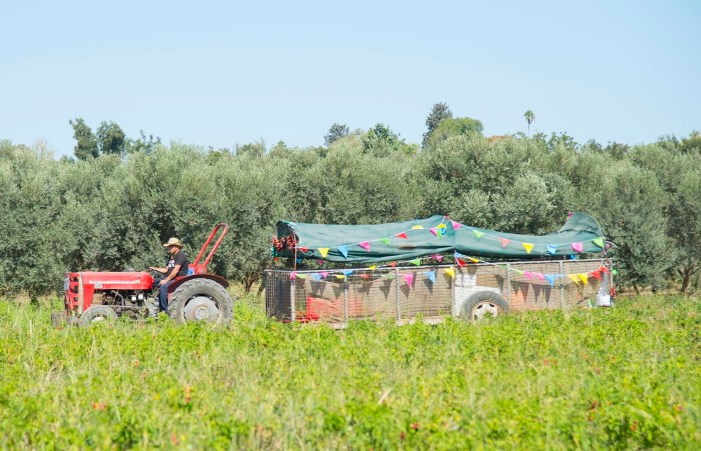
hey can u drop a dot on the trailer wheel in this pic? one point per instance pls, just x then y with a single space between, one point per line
201 300
97 314
484 304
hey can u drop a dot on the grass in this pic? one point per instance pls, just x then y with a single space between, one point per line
625 377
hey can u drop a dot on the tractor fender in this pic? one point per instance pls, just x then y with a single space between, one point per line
177 282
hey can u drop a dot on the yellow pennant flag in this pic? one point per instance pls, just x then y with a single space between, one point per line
372 268
441 226
573 277
450 272
473 260
583 278
528 247
324 251
339 276
417 227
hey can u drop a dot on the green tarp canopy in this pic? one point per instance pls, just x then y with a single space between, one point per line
376 243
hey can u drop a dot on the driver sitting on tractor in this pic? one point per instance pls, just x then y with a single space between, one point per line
176 266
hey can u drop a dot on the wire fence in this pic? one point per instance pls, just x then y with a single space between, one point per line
403 293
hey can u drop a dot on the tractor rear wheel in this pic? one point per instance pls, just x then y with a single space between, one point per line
97 314
201 300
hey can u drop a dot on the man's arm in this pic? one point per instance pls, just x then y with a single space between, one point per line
172 274
158 269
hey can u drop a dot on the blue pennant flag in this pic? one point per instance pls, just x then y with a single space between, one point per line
552 249
343 250
347 272
431 276
316 276
551 279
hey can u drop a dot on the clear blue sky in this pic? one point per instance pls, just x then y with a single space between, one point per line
218 73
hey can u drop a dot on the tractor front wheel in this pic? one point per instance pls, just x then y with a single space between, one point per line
201 300
97 314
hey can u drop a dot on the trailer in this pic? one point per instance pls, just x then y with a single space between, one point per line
433 268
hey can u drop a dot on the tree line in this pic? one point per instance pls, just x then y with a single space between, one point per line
113 206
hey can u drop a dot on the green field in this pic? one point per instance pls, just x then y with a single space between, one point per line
625 377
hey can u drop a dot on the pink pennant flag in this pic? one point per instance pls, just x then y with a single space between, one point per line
434 231
539 275
437 257
577 247
504 241
409 279
456 225
528 274
323 274
293 275
365 245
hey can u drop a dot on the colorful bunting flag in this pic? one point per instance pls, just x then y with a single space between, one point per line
416 261
552 249
599 242
303 250
339 276
402 235
348 272
293 275
323 274
578 247
440 226
450 272
372 267
539 275
477 233
583 278
434 231
437 257
299 259
596 274
504 241
301 276
409 278
528 274
456 225
324 251
603 269
386 241
431 275
473 260
528 247
460 262
365 245
417 227
551 279
393 264
316 277
573 277
517 271
343 250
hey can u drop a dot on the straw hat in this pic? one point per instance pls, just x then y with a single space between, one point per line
173 242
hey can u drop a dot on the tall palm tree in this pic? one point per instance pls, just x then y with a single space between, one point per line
530 117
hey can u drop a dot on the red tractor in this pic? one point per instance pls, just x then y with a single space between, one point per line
99 296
